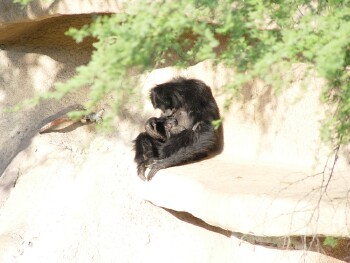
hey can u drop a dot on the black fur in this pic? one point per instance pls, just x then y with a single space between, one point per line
147 144
191 103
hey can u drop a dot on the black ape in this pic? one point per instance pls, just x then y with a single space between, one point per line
191 103
158 130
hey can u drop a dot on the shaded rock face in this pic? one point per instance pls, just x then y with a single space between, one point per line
35 55
48 37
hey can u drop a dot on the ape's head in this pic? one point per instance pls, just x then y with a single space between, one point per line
166 97
190 95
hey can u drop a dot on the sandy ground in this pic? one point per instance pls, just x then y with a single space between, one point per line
74 200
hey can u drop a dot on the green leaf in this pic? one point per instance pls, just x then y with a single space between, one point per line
330 241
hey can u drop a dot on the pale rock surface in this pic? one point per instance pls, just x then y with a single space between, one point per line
254 199
74 201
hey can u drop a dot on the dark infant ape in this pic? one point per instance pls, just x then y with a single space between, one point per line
184 132
172 127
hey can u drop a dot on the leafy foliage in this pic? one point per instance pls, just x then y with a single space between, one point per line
260 39
22 2
330 241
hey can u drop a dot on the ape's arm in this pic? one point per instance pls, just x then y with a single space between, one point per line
161 128
189 145
154 127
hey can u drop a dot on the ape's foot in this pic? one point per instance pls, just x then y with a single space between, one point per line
154 168
141 169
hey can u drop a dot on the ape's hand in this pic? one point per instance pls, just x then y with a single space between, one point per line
151 129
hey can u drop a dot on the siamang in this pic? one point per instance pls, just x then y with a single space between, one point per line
184 131
157 131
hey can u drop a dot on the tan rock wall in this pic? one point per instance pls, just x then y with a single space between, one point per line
41 9
261 127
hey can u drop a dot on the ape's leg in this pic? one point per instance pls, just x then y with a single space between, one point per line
189 145
146 151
